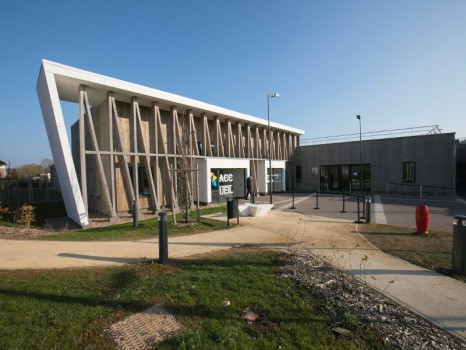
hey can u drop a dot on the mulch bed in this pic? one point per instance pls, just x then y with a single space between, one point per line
394 325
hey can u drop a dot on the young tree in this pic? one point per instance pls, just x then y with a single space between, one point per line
45 164
184 188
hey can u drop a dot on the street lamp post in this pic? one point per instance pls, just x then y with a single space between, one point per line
360 153
270 143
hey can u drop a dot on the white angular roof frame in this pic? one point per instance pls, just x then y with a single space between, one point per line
60 82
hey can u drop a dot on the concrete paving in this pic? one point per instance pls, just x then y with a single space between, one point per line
436 297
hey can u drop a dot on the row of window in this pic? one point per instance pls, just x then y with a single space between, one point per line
409 172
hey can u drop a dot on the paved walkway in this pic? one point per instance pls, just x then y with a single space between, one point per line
436 297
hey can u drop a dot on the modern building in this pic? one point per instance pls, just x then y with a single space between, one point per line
398 164
461 165
133 144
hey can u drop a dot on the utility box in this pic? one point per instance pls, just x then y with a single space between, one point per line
459 245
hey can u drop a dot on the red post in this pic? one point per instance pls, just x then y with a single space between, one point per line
422 219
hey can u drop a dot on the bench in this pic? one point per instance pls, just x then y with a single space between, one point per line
249 209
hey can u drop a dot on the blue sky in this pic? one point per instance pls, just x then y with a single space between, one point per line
397 63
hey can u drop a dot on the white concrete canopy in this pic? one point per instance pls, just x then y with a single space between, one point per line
58 82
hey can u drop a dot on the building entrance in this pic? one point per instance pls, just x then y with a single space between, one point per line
345 177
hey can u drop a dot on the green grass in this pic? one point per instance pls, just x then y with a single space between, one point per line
432 251
146 228
66 309
436 261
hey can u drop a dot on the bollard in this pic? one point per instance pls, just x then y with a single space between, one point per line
363 216
358 221
368 211
163 238
317 201
343 211
292 206
135 214
459 245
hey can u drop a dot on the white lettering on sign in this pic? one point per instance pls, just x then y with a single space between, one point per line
225 189
226 178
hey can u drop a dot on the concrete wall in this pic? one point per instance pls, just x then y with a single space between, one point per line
434 156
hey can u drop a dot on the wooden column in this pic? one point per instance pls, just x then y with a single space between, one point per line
248 141
230 140
239 140
265 148
257 142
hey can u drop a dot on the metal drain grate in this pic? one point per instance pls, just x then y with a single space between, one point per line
144 329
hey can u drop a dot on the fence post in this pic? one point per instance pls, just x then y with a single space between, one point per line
46 189
386 190
420 193
29 189
343 211
317 201
363 208
292 206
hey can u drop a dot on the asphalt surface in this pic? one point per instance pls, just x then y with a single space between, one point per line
397 211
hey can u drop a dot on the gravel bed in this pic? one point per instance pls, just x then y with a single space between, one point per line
394 325
10 232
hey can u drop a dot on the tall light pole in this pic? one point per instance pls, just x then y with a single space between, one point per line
270 143
360 153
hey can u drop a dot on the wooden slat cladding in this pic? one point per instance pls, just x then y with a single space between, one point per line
127 150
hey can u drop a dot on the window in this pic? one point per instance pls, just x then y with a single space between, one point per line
409 172
299 178
143 180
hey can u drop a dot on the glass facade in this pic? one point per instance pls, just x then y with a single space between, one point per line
345 177
277 185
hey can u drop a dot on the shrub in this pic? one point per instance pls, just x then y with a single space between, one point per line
4 213
26 215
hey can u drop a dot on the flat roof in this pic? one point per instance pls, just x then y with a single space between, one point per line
68 79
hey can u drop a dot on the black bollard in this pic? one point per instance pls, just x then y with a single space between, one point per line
163 238
292 206
135 214
358 221
317 201
343 211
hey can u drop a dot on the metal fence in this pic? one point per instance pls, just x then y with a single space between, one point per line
415 189
15 192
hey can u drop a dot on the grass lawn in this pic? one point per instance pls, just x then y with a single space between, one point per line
433 251
146 228
70 309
